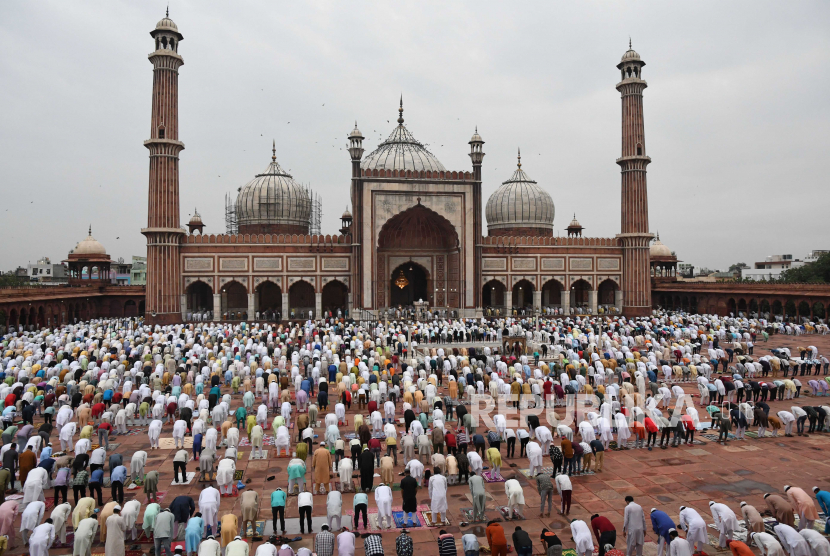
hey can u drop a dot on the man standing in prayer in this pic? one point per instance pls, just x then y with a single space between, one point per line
634 527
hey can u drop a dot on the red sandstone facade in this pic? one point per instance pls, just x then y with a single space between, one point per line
415 235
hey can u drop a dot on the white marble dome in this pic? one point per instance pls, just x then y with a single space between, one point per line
659 249
519 203
273 198
89 246
401 151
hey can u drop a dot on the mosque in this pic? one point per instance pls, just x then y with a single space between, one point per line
414 236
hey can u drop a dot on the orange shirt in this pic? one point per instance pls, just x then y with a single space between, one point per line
740 549
495 535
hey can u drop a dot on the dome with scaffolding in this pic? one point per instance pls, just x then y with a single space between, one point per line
273 203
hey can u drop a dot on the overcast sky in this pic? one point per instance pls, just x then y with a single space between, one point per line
736 112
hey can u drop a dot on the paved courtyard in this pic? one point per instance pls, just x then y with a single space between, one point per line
665 479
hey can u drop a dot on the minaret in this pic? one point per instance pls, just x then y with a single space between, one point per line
477 156
635 238
164 232
356 227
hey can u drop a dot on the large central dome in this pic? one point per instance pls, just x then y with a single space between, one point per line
520 207
273 203
401 151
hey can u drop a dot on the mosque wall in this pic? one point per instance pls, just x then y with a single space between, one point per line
226 262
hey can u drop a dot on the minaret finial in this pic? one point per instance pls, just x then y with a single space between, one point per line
400 111
273 150
520 158
167 13
629 42
90 229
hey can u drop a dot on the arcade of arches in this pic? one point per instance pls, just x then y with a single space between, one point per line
523 298
51 310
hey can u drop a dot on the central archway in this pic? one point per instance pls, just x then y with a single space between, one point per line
408 283
424 246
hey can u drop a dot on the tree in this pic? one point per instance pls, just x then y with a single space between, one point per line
737 267
816 272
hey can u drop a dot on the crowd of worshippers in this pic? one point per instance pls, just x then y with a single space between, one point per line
94 378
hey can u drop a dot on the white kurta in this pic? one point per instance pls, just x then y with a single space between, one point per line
383 499
36 482
534 454
438 494
582 537
32 516
41 539
225 471
515 493
791 541
695 527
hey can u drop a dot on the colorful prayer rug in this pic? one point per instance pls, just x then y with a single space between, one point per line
260 529
505 512
545 470
401 520
238 474
493 477
159 495
429 522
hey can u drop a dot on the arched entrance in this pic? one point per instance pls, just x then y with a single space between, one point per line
270 300
200 297
335 296
607 294
492 294
408 283
130 308
417 237
731 307
552 294
300 299
234 301
580 296
523 296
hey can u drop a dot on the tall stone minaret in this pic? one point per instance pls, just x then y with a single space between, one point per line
635 237
164 232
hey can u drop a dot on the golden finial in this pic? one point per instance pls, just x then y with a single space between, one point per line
520 158
273 150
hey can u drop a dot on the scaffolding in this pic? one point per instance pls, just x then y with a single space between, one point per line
231 223
315 219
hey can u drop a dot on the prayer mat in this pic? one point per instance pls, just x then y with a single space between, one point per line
372 520
70 539
238 474
428 521
262 455
210 478
493 477
176 544
818 525
349 487
170 444
133 553
234 493
144 538
267 440
467 514
189 476
276 454
15 497
401 520
260 529
159 497
505 512
545 470
49 503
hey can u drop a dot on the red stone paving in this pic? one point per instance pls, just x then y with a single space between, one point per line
741 471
